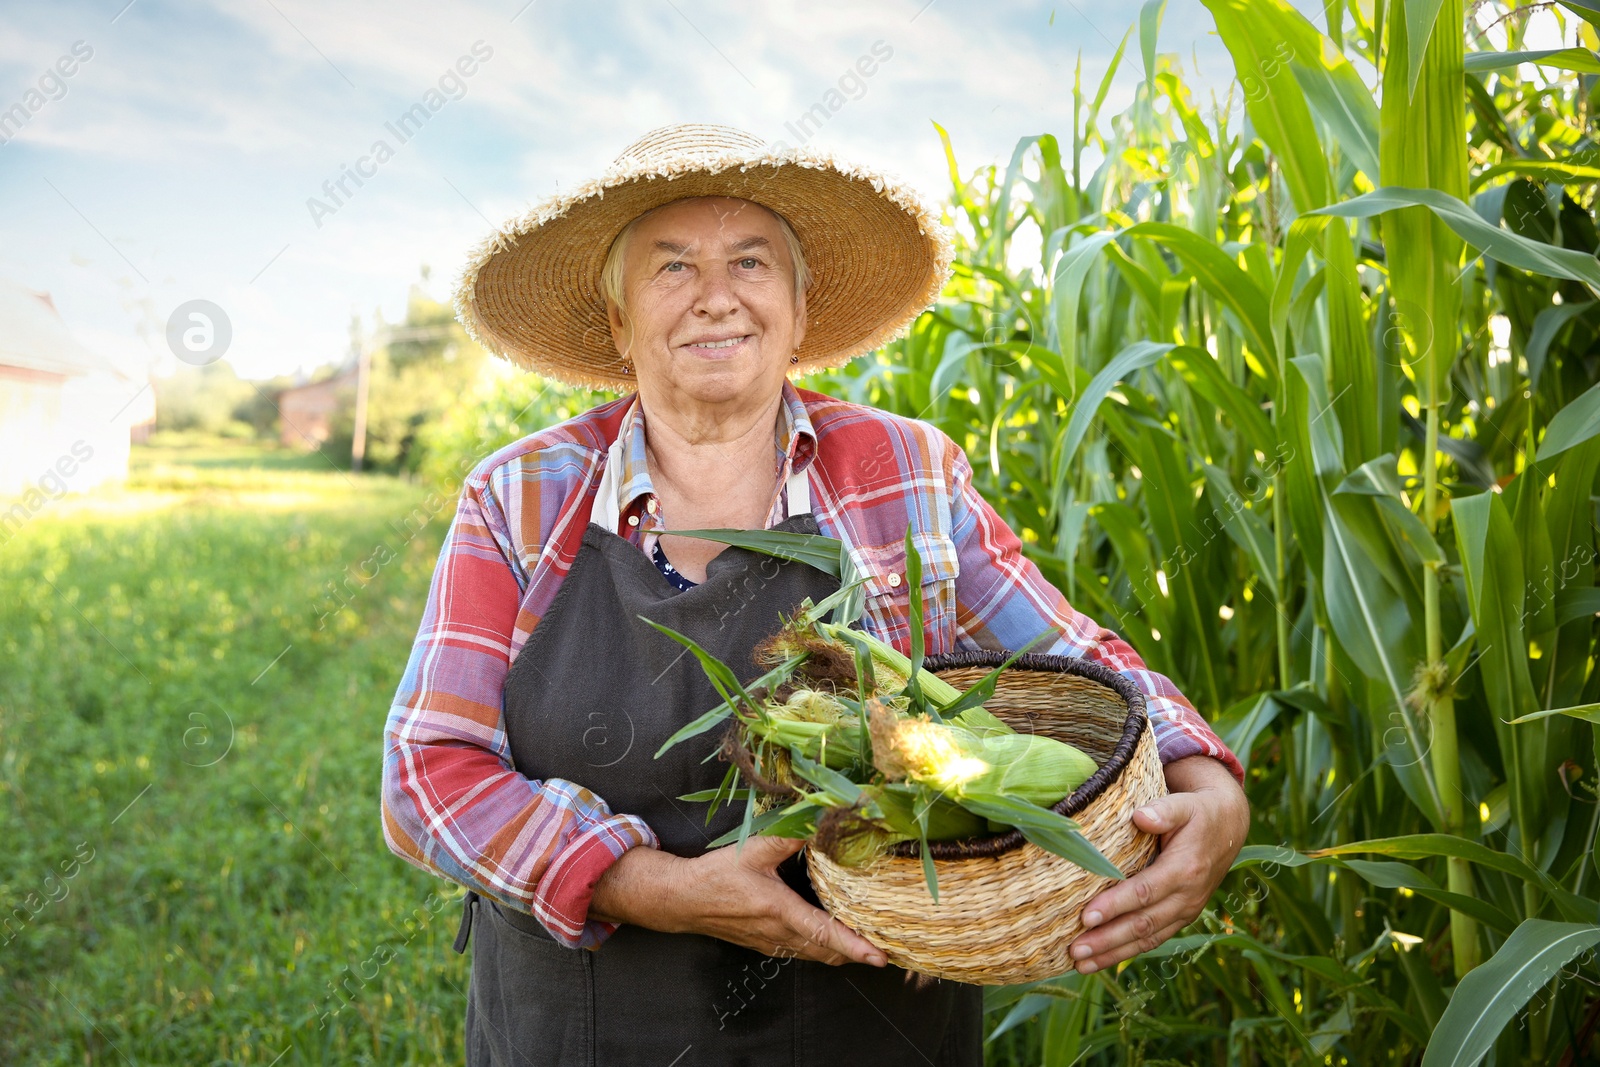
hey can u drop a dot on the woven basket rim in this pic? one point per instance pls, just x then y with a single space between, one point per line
1092 788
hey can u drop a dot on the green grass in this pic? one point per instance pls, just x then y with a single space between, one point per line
191 729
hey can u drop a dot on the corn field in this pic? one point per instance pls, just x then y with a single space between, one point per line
1297 390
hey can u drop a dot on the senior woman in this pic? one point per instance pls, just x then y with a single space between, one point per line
697 275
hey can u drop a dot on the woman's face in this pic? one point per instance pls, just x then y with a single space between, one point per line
712 313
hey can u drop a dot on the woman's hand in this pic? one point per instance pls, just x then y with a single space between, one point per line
1202 824
730 893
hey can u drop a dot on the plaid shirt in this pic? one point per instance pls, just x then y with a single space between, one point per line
453 805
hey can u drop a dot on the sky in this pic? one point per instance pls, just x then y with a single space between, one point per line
186 154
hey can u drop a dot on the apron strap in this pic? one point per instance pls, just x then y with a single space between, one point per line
464 933
799 494
607 511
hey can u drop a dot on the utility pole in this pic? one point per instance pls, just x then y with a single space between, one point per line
382 337
358 440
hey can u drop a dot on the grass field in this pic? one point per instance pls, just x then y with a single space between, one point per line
194 675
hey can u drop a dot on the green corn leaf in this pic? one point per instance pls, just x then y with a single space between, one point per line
1105 81
1303 236
1264 36
1303 490
1496 243
1572 425
1580 60
1050 831
1546 326
1586 712
1421 15
798 821
1069 274
825 778
1490 997
1169 509
1143 284
1378 481
958 346
1574 604
983 690
1569 170
812 549
697 727
703 796
915 621
1220 276
1342 101
1396 567
717 714
779 822
1419 846
1205 376
1422 143
1245 527
727 791
929 874
720 674
839 602
1149 29
747 824
1027 1001
995 247
850 601
1269 856
1393 875
1242 723
1136 356
1351 366
1491 563
1588 10
1375 629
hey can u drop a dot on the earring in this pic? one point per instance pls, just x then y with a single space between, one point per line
626 370
794 359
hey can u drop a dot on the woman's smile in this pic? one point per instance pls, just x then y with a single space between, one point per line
721 347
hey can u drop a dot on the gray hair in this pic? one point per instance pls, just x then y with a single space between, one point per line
611 274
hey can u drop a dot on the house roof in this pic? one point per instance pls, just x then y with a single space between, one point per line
342 376
34 337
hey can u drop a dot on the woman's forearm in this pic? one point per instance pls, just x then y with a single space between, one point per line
639 888
733 893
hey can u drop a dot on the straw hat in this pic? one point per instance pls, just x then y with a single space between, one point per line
877 252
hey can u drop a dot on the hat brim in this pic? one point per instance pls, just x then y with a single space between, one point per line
878 255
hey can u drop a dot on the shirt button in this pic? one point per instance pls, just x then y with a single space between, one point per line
633 520
651 506
894 581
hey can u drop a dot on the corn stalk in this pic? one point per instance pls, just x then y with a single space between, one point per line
1423 145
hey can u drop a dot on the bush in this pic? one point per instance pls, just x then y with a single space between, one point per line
504 408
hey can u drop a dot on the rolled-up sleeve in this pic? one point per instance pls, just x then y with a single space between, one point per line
452 802
1003 601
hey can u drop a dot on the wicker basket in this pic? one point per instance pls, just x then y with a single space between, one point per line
1008 910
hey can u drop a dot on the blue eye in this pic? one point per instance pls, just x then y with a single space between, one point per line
750 262
675 265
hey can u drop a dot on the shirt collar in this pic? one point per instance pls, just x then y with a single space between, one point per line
794 443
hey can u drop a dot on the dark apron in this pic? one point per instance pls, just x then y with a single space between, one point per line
590 699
